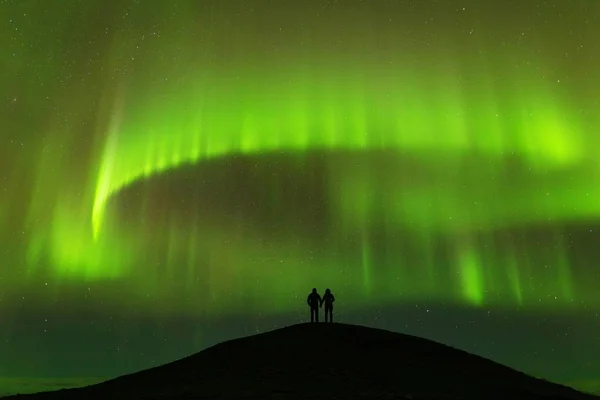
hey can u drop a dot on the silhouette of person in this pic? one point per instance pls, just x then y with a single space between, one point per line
328 299
313 300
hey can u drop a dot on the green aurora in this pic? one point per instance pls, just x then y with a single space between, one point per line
439 123
203 159
441 115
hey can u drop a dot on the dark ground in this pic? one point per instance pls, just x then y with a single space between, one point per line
325 361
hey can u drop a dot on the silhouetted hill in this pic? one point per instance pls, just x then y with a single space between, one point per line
325 361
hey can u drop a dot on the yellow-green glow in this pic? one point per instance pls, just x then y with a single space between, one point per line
470 273
366 264
418 119
228 166
178 166
343 115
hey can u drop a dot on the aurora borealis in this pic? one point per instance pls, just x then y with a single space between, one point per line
177 173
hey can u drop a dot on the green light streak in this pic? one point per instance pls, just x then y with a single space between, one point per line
366 263
471 277
417 118
421 145
343 115
515 280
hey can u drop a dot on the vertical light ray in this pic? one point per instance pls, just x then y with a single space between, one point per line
471 279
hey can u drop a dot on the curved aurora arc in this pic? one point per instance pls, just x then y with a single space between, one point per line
401 111
176 174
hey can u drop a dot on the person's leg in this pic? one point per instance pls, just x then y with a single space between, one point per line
312 314
316 314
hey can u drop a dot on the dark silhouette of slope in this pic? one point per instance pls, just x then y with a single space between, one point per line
325 361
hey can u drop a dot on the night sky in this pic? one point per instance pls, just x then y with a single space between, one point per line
178 173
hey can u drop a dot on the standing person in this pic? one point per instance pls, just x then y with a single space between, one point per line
313 300
328 299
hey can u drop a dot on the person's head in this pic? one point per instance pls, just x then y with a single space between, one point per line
314 290
327 291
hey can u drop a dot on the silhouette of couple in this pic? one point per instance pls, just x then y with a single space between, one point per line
315 301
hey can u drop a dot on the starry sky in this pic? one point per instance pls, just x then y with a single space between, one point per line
175 174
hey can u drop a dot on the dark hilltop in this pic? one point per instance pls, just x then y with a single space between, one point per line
325 361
